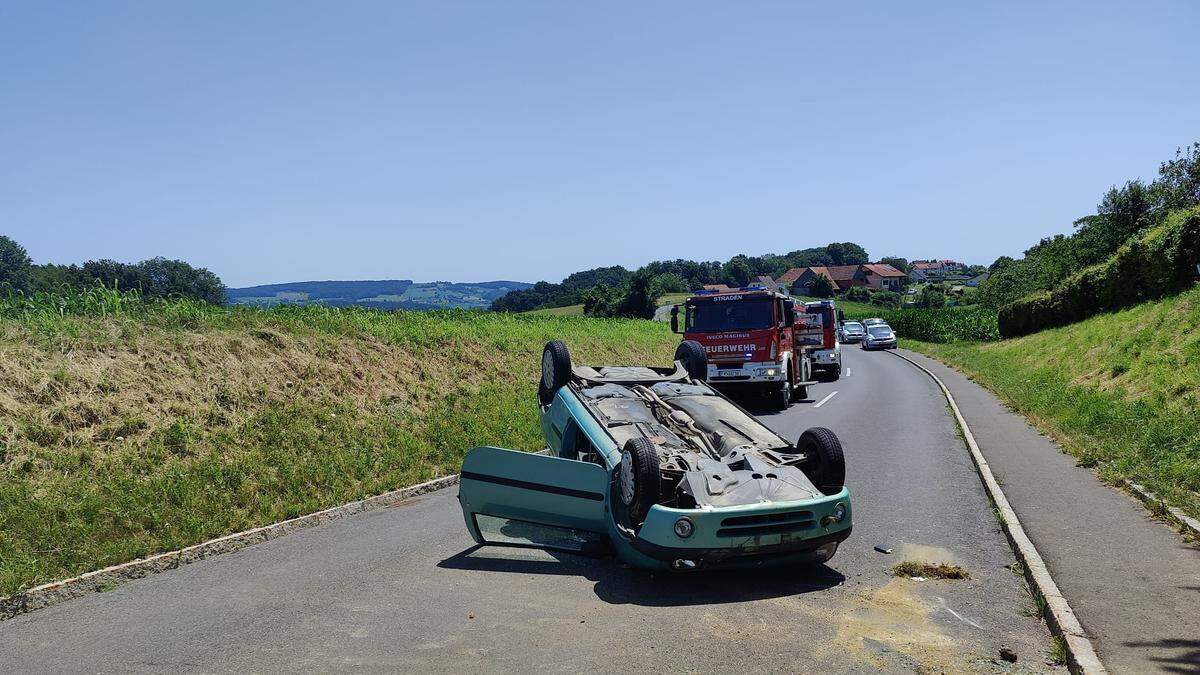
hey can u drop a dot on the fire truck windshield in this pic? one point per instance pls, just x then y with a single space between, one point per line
714 316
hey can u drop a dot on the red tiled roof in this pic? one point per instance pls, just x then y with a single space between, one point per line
842 272
791 275
884 270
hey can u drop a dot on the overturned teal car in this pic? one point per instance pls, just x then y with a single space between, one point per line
658 468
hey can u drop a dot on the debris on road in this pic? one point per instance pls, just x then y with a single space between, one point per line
883 549
923 570
1008 654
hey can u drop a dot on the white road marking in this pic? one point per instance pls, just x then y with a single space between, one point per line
847 372
824 400
960 617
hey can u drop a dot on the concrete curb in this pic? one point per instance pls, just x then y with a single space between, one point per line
1081 654
105 579
1157 504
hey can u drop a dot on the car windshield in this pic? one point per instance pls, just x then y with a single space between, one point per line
712 316
879 331
853 325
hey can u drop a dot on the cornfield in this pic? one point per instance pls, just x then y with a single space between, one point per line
948 324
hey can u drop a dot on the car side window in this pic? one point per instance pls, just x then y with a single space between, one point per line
581 447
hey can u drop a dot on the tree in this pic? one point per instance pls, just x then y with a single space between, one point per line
847 253
638 301
1178 184
163 278
597 301
661 284
821 286
15 266
737 271
897 262
931 295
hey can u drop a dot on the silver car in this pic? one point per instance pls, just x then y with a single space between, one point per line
879 336
853 331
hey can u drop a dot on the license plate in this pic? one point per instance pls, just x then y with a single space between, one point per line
728 373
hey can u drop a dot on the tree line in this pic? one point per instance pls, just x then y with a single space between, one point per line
1123 213
154 278
616 291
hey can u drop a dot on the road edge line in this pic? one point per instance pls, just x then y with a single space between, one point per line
1081 653
54 592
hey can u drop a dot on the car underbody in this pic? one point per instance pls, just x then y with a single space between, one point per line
711 453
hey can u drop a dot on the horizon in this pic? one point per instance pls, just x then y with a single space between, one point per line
276 142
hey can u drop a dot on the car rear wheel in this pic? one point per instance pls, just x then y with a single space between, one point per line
825 465
691 354
638 478
556 370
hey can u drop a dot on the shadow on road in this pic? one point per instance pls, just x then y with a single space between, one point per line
1177 655
622 585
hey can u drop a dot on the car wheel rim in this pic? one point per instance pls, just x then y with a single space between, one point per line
626 478
547 369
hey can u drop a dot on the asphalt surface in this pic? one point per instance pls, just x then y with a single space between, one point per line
1133 583
403 589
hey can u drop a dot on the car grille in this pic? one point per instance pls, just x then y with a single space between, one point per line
770 523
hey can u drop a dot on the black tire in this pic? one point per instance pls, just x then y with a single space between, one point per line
779 397
836 373
638 478
691 354
556 370
802 392
825 465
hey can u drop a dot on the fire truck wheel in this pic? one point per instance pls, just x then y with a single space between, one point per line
825 465
691 354
556 370
781 396
638 478
802 392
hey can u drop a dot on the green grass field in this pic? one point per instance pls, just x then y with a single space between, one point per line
129 428
1119 391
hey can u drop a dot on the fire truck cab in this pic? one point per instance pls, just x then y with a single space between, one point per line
750 337
827 358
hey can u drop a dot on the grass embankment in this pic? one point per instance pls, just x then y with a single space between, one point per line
137 428
1119 391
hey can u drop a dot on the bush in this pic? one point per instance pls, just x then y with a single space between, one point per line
885 298
1158 264
858 294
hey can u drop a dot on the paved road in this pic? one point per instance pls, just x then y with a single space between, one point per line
403 589
1133 583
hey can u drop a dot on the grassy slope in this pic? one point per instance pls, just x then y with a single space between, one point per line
125 435
1117 390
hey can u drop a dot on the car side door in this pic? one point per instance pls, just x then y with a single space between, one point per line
528 500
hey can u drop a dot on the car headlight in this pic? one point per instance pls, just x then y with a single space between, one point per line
684 528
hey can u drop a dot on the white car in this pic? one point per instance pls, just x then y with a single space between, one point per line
879 336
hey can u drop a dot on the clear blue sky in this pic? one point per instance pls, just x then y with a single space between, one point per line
282 141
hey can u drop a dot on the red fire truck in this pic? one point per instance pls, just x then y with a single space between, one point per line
754 338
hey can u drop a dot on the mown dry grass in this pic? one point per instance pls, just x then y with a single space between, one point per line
127 433
1119 391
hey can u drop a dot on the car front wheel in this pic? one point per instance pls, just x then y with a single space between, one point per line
638 478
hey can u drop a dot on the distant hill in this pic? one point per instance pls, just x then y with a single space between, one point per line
386 294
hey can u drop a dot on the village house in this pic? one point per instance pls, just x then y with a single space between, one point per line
876 276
